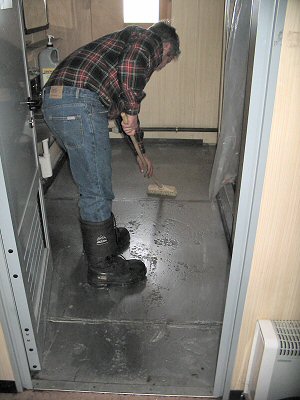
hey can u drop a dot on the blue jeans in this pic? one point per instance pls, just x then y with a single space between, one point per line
79 122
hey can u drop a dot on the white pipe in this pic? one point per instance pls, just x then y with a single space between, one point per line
45 160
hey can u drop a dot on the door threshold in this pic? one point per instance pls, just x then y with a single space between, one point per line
123 389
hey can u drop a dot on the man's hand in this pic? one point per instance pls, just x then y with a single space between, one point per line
147 169
131 125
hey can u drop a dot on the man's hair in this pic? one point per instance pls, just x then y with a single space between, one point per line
168 35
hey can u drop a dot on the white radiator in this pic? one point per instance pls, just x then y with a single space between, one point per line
274 365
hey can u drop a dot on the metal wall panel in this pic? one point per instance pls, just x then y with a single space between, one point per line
22 218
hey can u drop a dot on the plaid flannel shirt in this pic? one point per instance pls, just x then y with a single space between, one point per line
116 66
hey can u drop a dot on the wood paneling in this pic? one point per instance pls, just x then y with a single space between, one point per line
6 373
70 20
274 286
165 9
107 17
186 92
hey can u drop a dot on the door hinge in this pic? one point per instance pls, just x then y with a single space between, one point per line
31 122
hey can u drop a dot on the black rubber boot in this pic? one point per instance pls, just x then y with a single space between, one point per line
105 268
116 271
122 237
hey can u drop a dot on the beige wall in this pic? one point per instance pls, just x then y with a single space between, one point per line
6 373
274 286
186 93
70 21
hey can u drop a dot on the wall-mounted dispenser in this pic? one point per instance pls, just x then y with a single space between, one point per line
48 61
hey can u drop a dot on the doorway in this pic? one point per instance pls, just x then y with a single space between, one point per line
181 241
80 350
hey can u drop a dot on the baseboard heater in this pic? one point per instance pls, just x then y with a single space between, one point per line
274 364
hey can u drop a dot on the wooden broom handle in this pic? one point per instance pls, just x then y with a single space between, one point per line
140 154
135 143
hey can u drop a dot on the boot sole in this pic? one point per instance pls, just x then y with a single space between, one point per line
116 283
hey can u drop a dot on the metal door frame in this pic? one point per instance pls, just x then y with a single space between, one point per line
15 316
8 311
270 25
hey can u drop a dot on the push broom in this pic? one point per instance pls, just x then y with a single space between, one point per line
157 188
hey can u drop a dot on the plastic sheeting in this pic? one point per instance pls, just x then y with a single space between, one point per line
225 167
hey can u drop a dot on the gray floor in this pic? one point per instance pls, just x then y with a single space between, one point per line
162 336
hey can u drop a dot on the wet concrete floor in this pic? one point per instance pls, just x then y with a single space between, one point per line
162 336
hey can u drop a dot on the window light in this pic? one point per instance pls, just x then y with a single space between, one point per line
141 11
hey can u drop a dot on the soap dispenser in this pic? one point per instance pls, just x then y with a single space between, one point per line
48 61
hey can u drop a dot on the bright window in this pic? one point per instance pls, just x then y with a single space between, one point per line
141 11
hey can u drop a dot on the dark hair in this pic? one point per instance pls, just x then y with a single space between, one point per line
168 35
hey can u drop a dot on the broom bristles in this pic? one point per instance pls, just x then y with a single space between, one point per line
164 190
